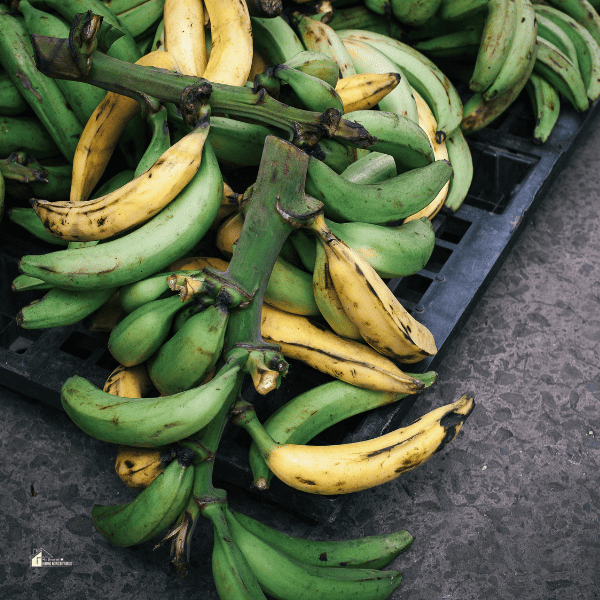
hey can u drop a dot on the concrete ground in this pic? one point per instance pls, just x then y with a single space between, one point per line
509 510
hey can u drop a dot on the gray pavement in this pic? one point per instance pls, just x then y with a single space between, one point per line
509 510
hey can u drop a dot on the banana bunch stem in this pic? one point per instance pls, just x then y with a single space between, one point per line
23 168
77 58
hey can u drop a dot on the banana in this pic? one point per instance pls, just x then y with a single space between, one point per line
142 332
549 31
581 11
457 10
392 251
385 202
383 322
230 56
55 187
232 574
12 102
108 315
316 64
545 101
160 141
518 56
344 359
129 382
152 247
459 155
352 467
369 552
586 47
380 7
365 90
154 508
146 422
24 283
276 41
328 301
41 93
183 360
415 12
456 43
284 578
139 467
369 60
26 218
82 97
60 307
301 419
103 130
119 6
422 74
319 37
335 155
305 245
315 94
374 167
362 17
556 68
27 134
498 31
139 19
184 35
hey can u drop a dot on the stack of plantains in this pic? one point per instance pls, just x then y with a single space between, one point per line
229 185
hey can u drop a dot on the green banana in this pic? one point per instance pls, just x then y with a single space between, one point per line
184 360
375 167
290 289
304 243
83 98
166 237
459 155
275 40
26 218
27 134
232 574
457 10
362 17
316 64
142 332
304 417
119 6
397 136
422 74
160 140
284 578
392 251
551 32
335 155
146 422
385 202
319 37
61 307
124 48
369 60
315 94
12 102
158 41
581 11
519 54
457 43
55 187
370 552
24 283
545 101
380 7
556 68
586 47
415 12
41 93
153 509
139 19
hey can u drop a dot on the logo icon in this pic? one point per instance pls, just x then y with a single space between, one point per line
42 558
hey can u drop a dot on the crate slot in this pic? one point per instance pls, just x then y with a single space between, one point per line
411 289
79 345
452 229
438 259
16 339
107 361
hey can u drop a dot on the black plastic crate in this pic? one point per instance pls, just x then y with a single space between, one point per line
511 177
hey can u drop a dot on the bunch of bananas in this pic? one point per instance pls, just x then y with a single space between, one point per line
355 143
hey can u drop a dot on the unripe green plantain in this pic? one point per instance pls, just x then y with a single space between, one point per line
183 360
316 64
27 134
375 167
11 101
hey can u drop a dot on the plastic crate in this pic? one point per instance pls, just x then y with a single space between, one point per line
511 176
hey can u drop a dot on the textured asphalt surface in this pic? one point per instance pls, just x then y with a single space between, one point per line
509 510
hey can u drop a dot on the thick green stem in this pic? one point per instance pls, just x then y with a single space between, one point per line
69 59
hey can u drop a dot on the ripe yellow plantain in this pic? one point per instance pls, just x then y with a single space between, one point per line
364 90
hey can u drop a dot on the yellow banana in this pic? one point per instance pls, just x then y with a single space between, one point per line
382 321
428 123
132 204
259 64
139 467
364 90
230 57
346 468
106 317
184 35
228 233
197 263
344 359
101 133
129 382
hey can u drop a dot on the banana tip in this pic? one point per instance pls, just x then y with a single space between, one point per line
261 484
440 137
